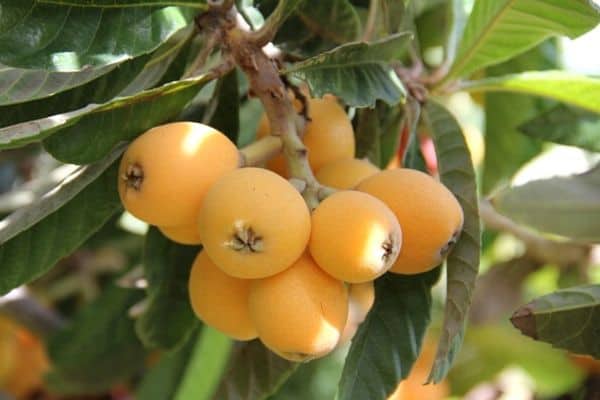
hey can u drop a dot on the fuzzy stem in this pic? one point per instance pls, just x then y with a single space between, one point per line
267 85
259 152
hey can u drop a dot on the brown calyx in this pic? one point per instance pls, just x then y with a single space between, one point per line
245 239
133 176
390 249
450 244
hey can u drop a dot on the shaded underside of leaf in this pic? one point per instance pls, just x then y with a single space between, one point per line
568 319
389 340
163 380
566 206
63 38
168 320
500 29
99 347
253 373
462 265
566 125
68 220
92 134
18 85
356 72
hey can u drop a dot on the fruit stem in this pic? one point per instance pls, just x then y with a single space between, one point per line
266 84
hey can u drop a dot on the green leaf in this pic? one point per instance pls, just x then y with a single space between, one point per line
567 319
223 111
19 85
168 320
565 206
99 90
99 348
356 72
457 173
500 29
206 365
35 237
504 112
389 340
128 3
578 90
334 20
490 349
86 135
565 125
164 379
253 373
58 38
378 133
128 78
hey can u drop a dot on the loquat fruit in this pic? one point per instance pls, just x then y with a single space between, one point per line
253 223
300 312
184 234
430 216
220 300
345 173
328 136
361 297
355 237
165 173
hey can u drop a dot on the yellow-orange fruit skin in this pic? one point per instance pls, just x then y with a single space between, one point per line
220 300
413 387
253 223
430 216
178 163
361 297
185 234
345 173
329 135
300 312
355 237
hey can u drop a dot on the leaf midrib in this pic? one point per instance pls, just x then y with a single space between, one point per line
486 32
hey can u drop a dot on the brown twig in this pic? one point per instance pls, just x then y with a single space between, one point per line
245 49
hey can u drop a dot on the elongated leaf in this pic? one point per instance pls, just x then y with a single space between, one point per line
568 319
253 373
87 134
566 206
316 26
500 29
59 38
356 72
164 379
389 340
378 133
99 348
457 173
19 85
168 320
34 238
578 90
160 63
334 20
129 78
566 125
128 3
207 363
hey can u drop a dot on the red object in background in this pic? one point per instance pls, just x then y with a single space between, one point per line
428 151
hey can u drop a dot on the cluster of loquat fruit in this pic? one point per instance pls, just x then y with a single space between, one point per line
300 280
